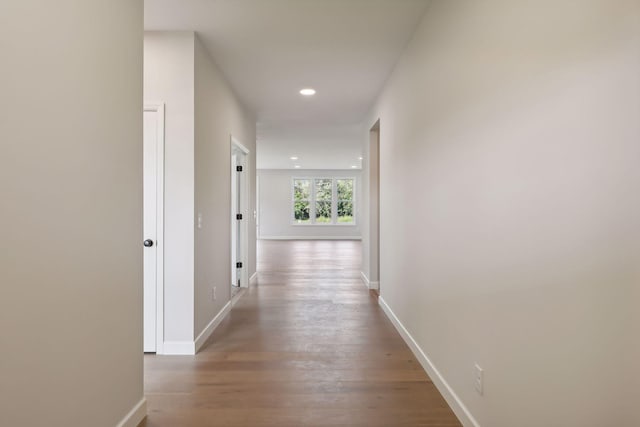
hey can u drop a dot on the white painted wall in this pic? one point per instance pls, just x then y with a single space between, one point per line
219 115
201 114
371 212
71 212
169 78
510 135
275 206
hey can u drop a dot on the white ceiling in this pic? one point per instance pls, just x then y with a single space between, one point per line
270 49
317 147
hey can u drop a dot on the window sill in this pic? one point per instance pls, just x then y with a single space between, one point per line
352 224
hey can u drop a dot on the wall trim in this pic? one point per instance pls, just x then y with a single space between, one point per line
208 330
179 348
158 108
365 279
237 296
369 284
135 415
310 238
461 411
253 279
239 196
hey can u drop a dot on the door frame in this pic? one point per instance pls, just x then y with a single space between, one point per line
158 108
374 206
244 205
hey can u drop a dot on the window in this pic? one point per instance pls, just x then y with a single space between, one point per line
324 197
302 201
323 201
345 200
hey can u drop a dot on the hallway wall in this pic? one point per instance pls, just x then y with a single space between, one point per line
201 114
219 115
169 70
510 137
71 214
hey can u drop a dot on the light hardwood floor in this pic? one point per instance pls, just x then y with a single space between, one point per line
307 346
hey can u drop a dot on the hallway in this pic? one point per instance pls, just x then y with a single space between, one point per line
306 346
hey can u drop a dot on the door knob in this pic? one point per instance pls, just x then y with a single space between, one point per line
148 243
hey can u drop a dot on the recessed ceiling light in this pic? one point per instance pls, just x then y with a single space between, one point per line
360 158
308 92
297 166
294 157
354 167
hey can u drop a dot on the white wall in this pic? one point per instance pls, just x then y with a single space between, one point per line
71 212
201 114
276 209
510 135
219 114
169 78
371 211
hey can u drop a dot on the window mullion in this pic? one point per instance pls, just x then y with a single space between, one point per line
334 198
312 207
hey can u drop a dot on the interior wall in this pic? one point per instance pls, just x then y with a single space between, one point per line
373 205
510 137
71 215
370 217
169 78
276 206
219 115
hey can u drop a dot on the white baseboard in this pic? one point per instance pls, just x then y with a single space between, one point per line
310 238
189 348
369 284
179 348
365 279
461 411
237 296
253 279
208 330
135 415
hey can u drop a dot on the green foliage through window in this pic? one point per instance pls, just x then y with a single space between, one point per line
345 200
323 201
324 196
302 201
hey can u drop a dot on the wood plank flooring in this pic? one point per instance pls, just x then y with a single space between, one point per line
307 346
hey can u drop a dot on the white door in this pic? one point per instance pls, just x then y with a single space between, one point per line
153 147
235 244
239 219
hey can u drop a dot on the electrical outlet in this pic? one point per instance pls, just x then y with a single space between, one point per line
213 293
199 220
478 379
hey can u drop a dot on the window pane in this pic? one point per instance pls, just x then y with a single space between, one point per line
301 189
301 211
323 212
323 190
345 189
345 211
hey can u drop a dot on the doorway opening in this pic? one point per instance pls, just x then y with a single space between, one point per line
239 220
374 207
153 228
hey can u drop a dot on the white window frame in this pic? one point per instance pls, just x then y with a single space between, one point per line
312 197
334 201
